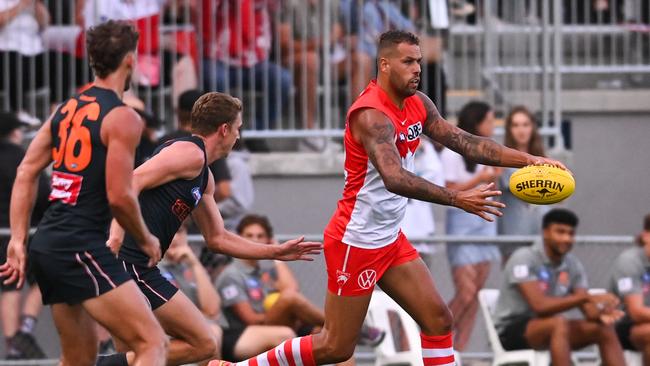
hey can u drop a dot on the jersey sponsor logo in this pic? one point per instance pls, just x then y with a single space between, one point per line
196 193
624 284
414 131
180 209
65 187
367 279
520 271
229 292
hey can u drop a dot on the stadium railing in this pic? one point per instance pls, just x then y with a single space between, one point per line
504 51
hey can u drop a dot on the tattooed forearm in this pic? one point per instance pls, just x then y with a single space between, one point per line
479 149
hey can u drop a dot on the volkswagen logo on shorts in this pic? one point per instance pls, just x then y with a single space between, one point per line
367 279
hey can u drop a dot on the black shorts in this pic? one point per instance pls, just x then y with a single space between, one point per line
228 342
512 336
72 277
29 274
623 329
156 288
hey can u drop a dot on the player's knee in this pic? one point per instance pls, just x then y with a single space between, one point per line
606 332
439 321
207 348
334 349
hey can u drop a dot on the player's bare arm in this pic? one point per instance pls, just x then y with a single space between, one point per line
377 135
209 220
549 305
23 196
605 312
180 160
121 132
479 149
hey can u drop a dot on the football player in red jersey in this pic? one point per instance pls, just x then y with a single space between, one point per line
363 243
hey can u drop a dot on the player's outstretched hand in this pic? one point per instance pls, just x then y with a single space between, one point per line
151 247
476 201
297 249
541 160
14 268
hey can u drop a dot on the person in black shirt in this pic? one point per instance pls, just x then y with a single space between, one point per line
173 184
91 140
17 328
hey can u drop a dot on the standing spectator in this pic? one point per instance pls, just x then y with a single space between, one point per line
418 219
544 280
23 58
242 195
237 39
519 217
630 281
17 328
470 262
219 168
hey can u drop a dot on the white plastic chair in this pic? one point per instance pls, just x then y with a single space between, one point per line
487 299
386 354
633 358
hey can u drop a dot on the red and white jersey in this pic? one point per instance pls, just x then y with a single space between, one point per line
368 215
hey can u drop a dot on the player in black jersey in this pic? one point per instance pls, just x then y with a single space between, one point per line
91 140
174 183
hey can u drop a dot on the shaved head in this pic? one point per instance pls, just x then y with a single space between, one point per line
388 41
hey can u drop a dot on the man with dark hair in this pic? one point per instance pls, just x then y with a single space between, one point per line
630 281
544 280
174 183
91 139
18 321
363 242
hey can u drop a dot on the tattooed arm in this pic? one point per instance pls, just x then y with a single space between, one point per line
375 132
479 149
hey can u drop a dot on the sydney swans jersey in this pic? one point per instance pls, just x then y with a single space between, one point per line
368 215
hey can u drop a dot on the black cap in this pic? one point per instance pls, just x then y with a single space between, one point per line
187 99
9 121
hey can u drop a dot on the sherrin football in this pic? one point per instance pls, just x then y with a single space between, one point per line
542 184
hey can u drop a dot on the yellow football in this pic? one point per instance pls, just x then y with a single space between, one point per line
542 184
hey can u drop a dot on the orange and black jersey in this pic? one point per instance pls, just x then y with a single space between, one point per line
164 208
79 215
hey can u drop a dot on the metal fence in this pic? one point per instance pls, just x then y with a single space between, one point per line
298 64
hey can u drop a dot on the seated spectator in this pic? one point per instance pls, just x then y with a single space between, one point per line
519 217
631 282
262 302
363 22
182 267
237 39
18 321
543 281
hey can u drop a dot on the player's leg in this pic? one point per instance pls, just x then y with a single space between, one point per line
77 334
640 338
192 338
292 306
583 333
550 333
125 313
260 338
411 286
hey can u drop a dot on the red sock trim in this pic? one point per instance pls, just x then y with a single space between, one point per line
437 341
306 352
438 361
